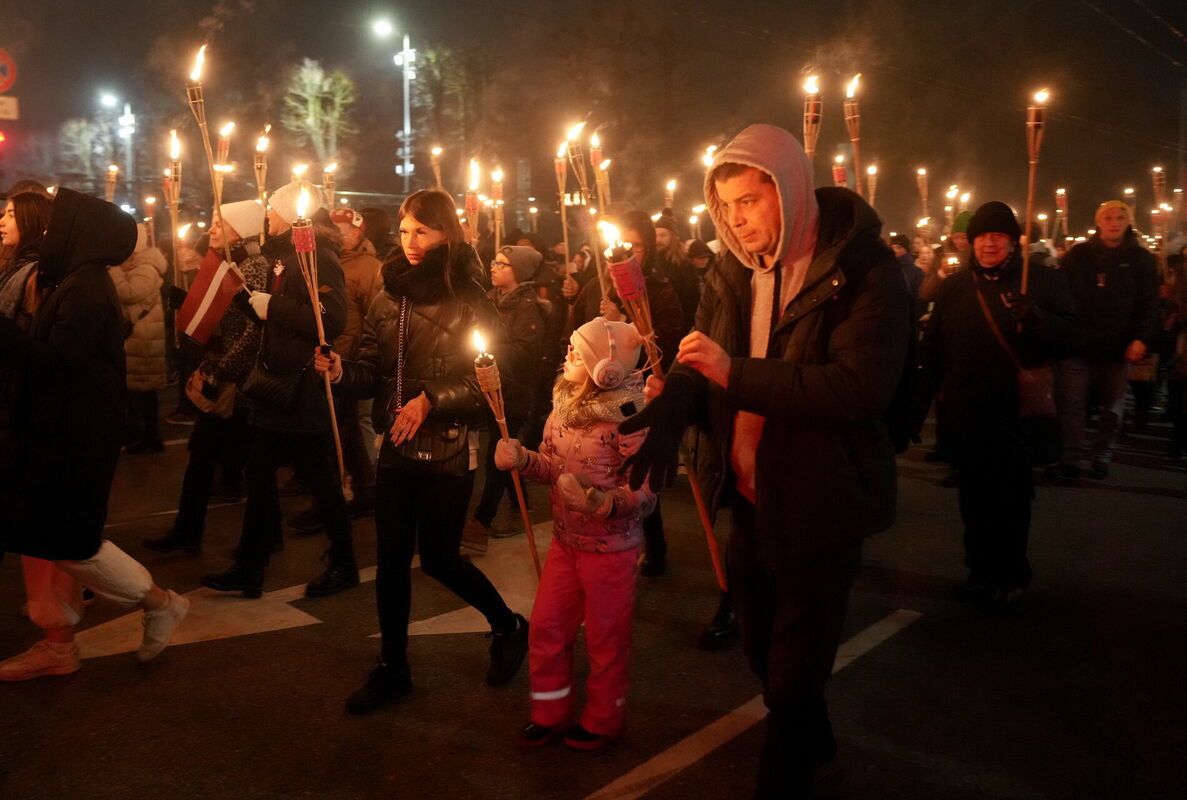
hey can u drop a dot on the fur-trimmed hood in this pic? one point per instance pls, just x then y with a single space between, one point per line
425 283
599 406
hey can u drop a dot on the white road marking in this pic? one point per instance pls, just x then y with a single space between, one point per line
693 748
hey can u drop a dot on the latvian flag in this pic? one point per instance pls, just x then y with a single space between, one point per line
217 283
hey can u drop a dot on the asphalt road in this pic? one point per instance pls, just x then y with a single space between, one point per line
1076 692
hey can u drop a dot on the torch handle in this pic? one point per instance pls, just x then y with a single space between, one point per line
334 427
495 400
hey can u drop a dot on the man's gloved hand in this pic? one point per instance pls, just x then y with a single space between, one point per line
666 417
259 303
510 454
578 495
1022 306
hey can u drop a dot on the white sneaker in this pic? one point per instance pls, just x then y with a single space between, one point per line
43 658
160 625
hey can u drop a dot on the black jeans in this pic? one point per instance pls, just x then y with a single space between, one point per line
312 456
497 482
355 456
419 510
996 491
791 619
144 416
215 441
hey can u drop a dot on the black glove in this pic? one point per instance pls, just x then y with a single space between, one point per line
1022 306
175 296
666 416
210 389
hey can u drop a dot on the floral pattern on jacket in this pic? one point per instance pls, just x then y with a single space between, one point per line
584 440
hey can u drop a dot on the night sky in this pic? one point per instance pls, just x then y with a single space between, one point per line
944 84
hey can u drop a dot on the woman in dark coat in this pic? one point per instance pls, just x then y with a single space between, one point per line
417 360
67 427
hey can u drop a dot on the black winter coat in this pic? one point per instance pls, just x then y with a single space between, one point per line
525 319
978 381
69 413
439 352
825 469
290 334
1115 292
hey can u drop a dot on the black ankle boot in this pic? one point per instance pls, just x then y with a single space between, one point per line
384 685
174 540
237 579
341 574
723 630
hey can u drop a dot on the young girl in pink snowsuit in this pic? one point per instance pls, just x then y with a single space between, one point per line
589 574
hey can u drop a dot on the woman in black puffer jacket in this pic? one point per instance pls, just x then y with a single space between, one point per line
417 360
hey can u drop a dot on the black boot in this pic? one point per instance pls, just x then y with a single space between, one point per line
237 579
174 540
384 685
507 651
341 574
722 632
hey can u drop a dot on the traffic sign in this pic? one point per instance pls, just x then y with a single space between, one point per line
9 108
7 71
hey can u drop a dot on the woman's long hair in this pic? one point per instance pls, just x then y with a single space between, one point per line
436 210
31 212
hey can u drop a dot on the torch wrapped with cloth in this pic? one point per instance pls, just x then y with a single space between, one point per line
486 369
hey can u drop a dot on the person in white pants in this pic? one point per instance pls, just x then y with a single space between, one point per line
54 590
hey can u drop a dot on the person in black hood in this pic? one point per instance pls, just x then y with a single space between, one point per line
290 417
982 333
68 422
800 341
1114 284
417 361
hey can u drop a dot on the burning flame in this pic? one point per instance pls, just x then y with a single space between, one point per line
174 146
148 201
605 165
839 160
330 168
299 170
1158 169
1042 96
594 141
302 203
475 174
610 233
479 342
923 222
575 131
183 230
670 185
1042 217
964 198
168 173
533 210
199 60
224 168
497 176
693 220
561 151
852 88
227 130
112 169
812 86
262 144
699 209
1060 192
871 170
921 171
952 192
436 151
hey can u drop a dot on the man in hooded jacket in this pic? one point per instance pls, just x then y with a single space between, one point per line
800 340
68 422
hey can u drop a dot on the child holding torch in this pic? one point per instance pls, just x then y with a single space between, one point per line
589 573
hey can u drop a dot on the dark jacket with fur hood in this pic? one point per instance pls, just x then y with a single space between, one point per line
438 350
69 413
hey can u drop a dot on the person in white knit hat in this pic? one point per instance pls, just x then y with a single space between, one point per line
589 573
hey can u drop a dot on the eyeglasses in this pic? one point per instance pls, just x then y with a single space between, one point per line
502 264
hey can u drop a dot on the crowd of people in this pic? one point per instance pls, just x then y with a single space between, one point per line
797 354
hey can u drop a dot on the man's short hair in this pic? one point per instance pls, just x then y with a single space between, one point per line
731 169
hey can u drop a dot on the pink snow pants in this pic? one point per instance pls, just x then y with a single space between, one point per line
599 589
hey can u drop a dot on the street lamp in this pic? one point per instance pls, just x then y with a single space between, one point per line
127 123
383 29
108 100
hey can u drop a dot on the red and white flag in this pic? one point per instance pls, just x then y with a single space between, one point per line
215 287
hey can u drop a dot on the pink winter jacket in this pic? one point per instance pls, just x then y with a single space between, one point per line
584 440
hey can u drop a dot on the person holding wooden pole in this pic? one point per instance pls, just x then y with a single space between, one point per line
290 416
800 341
